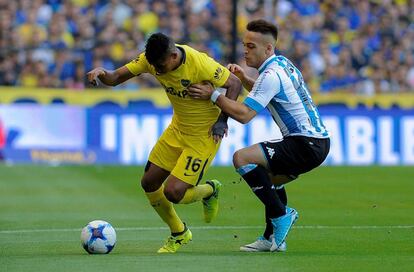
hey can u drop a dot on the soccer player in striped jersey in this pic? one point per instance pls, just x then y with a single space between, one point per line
185 150
268 165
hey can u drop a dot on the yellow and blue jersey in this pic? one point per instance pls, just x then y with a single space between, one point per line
191 116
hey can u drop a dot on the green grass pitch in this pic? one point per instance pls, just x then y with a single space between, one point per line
351 219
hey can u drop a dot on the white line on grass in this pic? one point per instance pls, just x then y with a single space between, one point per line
209 228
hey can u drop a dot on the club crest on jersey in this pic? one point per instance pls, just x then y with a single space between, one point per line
218 73
185 82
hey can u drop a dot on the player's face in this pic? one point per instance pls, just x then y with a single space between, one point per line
166 65
255 49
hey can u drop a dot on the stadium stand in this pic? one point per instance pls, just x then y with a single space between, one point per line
361 47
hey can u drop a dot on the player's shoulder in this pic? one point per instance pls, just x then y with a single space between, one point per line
140 58
195 59
271 76
139 64
276 68
191 54
283 62
187 48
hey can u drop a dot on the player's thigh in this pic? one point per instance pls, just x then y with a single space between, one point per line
292 156
167 150
284 157
153 177
195 159
249 155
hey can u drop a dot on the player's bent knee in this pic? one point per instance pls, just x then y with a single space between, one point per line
238 159
173 195
148 185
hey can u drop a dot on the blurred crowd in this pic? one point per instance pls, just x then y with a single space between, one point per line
354 46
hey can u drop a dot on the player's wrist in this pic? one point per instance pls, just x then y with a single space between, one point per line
214 96
102 73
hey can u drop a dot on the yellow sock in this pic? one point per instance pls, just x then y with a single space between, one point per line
165 210
196 193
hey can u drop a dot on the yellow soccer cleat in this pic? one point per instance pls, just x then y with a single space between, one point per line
173 243
210 204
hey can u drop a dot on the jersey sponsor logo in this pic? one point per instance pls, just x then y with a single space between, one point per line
172 91
218 73
185 82
270 151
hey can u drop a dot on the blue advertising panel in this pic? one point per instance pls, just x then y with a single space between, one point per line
117 135
370 136
359 136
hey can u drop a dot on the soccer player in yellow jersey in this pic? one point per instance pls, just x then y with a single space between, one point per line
186 149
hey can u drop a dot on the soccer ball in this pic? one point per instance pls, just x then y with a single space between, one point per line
98 237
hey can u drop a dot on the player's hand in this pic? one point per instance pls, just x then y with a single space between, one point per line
236 70
219 130
94 74
201 91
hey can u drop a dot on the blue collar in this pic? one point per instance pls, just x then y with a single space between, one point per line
267 62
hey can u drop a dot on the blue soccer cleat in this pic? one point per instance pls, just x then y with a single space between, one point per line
281 227
292 210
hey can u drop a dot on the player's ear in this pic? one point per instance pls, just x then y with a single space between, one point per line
174 55
270 47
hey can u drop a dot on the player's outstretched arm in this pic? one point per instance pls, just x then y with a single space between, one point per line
236 110
108 77
220 128
247 81
233 86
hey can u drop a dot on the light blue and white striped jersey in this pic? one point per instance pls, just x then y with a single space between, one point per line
280 88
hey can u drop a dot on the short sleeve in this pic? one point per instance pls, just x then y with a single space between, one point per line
213 71
264 89
139 65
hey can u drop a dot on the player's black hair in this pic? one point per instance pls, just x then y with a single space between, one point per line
264 27
158 47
